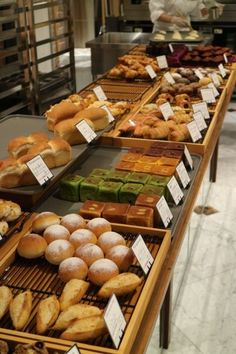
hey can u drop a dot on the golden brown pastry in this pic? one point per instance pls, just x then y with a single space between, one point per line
72 293
20 309
5 299
179 133
121 284
47 313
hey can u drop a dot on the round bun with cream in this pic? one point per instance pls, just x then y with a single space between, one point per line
59 250
73 222
31 246
72 268
43 220
99 226
102 270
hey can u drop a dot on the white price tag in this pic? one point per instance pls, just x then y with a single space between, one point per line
188 157
215 79
201 107
169 77
199 119
100 93
73 350
194 131
131 122
171 48
142 254
110 116
225 58
162 62
115 320
166 110
39 169
198 74
164 211
183 174
86 131
150 71
215 91
208 95
1 237
175 190
222 70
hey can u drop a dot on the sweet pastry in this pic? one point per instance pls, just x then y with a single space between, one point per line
122 284
122 256
116 212
55 232
118 176
110 239
99 226
102 270
91 209
20 309
89 188
72 268
149 189
148 159
109 191
43 220
168 161
47 313
5 300
100 172
136 177
89 253
129 192
141 216
69 187
73 222
9 211
59 250
72 293
81 237
31 246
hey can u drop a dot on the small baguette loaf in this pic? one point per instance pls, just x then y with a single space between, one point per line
75 312
72 293
86 328
5 300
47 313
121 284
20 145
61 111
20 309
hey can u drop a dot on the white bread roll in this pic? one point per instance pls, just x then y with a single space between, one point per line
81 237
31 246
55 232
10 173
43 220
98 226
89 253
5 300
59 250
72 268
60 111
73 222
110 239
102 270
122 284
20 309
122 256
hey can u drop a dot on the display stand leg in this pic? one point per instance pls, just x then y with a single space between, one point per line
213 163
165 319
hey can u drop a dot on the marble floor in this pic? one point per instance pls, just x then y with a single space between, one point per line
204 291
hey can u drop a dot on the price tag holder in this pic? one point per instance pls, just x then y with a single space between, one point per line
183 174
162 62
199 119
169 77
198 74
142 254
171 48
73 350
99 93
110 116
201 107
222 70
39 169
166 110
175 190
164 211
208 95
215 79
215 91
150 71
194 131
86 131
115 320
225 58
188 157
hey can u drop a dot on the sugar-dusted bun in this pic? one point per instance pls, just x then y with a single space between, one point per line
89 253
31 246
73 222
122 256
81 237
56 232
102 270
59 250
72 268
43 220
99 226
110 239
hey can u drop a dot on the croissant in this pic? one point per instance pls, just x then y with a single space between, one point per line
179 133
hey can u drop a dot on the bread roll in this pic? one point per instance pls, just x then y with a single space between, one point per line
59 250
122 256
89 253
122 284
72 268
98 117
20 145
75 312
72 293
31 246
43 220
81 237
99 226
5 300
58 112
13 210
102 270
86 328
47 313
110 239
3 228
73 222
10 173
55 232
20 309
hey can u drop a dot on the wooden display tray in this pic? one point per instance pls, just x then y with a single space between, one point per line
41 277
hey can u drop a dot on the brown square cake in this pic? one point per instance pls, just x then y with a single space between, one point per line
91 209
116 212
141 216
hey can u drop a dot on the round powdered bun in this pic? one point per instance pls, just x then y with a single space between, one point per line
99 226
89 253
43 220
110 239
56 232
73 222
72 268
81 237
59 250
122 256
102 270
31 246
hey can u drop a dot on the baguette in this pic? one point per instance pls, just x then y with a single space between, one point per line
72 293
5 300
20 309
121 284
47 313
75 312
86 328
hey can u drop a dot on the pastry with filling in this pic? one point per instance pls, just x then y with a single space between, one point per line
109 191
69 187
129 192
116 212
89 188
91 209
141 216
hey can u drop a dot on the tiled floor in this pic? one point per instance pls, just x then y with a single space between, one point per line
204 317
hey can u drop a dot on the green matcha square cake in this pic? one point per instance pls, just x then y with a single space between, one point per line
108 191
89 188
69 187
136 177
129 192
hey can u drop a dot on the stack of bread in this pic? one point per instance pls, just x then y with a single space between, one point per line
9 211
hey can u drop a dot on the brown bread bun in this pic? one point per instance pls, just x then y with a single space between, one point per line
72 268
59 250
102 270
56 232
31 246
43 220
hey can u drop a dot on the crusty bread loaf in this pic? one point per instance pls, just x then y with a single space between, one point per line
20 309
20 145
72 293
98 117
11 172
60 111
5 300
47 313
